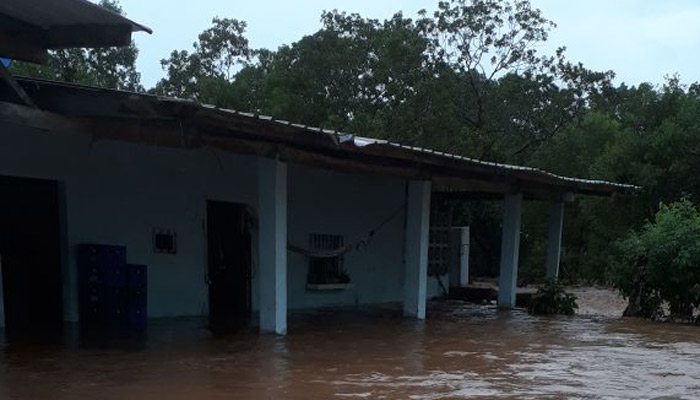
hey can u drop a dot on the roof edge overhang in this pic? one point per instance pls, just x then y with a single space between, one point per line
105 114
135 26
20 39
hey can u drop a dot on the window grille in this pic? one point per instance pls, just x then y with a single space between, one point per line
326 270
438 248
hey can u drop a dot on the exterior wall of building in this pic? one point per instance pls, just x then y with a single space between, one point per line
117 193
327 202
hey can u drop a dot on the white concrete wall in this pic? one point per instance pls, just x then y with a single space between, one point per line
328 202
116 193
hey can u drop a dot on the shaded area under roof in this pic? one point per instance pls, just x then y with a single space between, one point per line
105 114
28 28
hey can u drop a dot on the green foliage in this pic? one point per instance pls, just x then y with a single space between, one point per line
483 219
552 299
661 262
210 69
533 250
465 34
113 67
465 79
642 135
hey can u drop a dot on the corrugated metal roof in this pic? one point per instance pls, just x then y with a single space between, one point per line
360 142
328 143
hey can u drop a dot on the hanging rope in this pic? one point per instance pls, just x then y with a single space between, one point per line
354 246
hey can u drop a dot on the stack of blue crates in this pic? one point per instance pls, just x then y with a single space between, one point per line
112 293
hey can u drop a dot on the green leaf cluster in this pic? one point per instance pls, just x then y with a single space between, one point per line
552 299
661 262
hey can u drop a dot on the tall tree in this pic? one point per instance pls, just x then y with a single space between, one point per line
211 67
512 98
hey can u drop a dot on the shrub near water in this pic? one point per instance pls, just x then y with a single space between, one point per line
661 264
552 299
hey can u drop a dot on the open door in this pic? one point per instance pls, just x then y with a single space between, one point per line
30 248
229 269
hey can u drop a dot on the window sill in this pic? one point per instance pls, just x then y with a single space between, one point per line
328 287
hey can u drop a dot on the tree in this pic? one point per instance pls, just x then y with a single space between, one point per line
646 135
212 66
345 76
513 99
113 67
467 79
662 261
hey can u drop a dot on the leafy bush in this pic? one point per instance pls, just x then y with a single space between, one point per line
661 264
552 299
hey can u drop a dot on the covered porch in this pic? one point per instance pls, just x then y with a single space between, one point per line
130 166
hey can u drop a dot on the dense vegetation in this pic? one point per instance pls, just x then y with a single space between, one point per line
468 79
552 299
663 259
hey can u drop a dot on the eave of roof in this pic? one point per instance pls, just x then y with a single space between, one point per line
361 141
267 136
28 28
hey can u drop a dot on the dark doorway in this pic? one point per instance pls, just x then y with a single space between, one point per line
229 270
30 247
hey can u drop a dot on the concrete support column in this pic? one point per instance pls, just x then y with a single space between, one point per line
510 250
459 257
556 224
272 245
417 232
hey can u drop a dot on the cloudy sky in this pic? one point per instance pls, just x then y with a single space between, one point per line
641 40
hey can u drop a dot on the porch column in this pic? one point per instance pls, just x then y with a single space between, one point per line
417 230
510 249
556 223
272 244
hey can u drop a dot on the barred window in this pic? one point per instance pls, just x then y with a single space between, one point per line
438 248
326 270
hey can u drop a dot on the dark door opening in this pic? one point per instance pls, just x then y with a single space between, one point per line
229 266
30 247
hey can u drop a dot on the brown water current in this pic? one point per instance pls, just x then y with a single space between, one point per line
461 351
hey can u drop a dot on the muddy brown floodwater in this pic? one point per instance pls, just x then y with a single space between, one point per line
461 351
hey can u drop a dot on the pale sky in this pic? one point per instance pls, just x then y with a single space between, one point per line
641 40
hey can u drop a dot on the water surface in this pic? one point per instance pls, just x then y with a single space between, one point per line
461 351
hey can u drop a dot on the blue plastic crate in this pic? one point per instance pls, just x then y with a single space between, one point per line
136 276
112 256
102 265
102 286
137 310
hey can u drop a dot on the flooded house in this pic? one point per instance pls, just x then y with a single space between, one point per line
185 209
